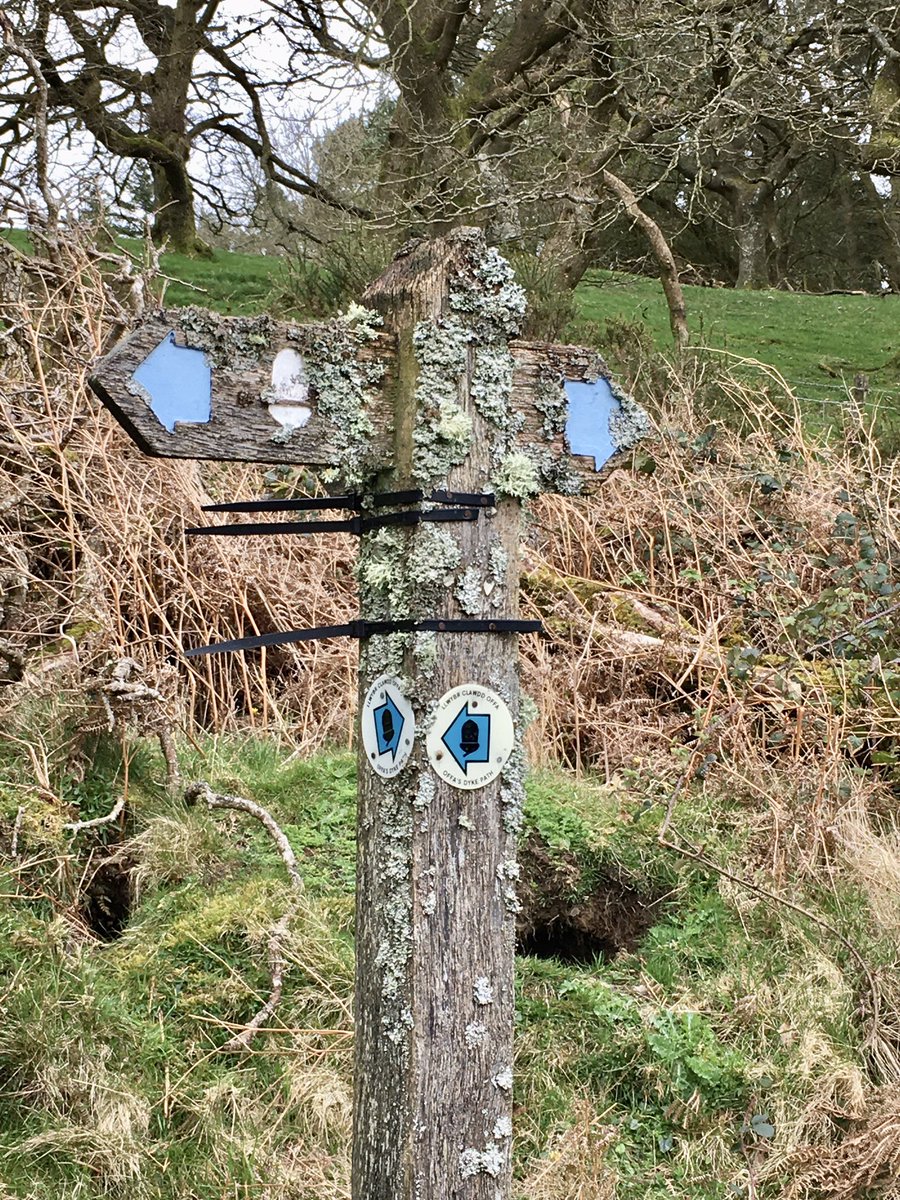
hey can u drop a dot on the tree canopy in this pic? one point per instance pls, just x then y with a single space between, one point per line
731 127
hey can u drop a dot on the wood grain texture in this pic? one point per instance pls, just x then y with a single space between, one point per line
241 352
540 371
433 1101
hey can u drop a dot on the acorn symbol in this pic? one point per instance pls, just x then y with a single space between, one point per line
387 727
468 737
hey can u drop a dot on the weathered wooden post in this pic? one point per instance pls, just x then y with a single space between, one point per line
438 426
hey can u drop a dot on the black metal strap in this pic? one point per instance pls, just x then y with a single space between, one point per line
475 499
355 503
298 504
366 629
357 525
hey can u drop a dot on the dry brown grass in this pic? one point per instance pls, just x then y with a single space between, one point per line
654 592
95 558
574 1166
864 1162
640 587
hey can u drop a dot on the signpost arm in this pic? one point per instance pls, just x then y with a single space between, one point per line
436 863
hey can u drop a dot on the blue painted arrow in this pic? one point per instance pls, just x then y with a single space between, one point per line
389 722
587 429
468 738
178 381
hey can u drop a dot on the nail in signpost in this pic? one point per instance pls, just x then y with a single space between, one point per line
432 423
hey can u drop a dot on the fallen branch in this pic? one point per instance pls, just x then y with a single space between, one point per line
17 829
79 826
665 260
202 792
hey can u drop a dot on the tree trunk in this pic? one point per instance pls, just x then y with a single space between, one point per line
175 219
665 260
752 217
890 214
175 222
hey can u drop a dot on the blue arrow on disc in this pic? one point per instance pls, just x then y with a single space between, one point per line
178 381
389 722
468 738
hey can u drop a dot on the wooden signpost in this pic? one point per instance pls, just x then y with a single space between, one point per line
435 424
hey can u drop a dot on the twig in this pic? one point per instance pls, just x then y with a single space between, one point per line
201 791
78 826
122 688
14 847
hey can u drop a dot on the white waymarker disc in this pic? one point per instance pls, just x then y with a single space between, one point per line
388 727
472 736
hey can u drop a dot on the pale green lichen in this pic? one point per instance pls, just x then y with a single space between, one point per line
236 344
508 870
383 653
426 791
503 1079
492 382
498 562
465 822
517 476
512 790
551 401
557 473
434 556
507 875
489 1161
454 426
490 297
483 991
503 1127
425 652
630 424
283 435
401 576
475 1034
366 322
395 912
470 591
443 433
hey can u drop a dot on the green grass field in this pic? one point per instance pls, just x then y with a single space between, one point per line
818 344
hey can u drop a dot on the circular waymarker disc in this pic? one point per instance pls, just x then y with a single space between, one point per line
388 727
472 736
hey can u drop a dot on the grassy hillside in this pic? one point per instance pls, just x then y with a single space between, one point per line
689 1042
817 343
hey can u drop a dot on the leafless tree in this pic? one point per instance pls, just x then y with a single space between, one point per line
151 82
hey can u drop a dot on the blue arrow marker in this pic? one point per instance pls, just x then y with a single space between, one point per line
389 722
178 381
587 429
468 738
